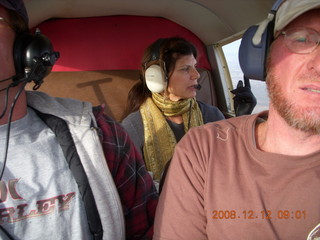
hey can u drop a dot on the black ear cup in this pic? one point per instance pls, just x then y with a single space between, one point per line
252 57
155 75
33 56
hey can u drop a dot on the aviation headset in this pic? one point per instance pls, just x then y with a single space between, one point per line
34 57
156 75
255 44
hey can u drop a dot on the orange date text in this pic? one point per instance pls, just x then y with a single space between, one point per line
257 214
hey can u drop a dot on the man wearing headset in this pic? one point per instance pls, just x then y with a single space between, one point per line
257 176
66 171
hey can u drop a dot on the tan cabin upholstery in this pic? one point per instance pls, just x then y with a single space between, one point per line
207 92
109 87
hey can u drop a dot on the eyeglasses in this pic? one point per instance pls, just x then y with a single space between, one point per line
301 40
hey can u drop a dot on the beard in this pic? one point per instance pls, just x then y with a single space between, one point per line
306 119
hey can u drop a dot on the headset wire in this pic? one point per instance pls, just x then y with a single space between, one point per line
9 126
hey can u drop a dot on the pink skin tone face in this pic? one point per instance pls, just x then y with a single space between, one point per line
183 79
294 79
7 36
7 70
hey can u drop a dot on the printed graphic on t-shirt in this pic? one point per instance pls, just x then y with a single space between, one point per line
315 233
22 210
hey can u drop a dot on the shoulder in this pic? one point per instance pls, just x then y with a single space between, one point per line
102 118
133 122
71 110
206 107
111 131
210 113
133 125
227 127
132 118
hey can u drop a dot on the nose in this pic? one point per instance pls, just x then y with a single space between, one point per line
195 74
314 63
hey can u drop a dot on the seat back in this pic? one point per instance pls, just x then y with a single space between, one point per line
207 92
98 87
110 88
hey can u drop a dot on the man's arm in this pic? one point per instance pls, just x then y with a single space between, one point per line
138 195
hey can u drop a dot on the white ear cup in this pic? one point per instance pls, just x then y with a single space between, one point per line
155 79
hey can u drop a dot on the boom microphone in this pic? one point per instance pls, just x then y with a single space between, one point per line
198 86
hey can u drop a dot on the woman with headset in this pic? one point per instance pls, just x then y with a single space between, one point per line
162 106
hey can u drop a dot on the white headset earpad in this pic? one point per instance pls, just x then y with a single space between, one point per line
155 79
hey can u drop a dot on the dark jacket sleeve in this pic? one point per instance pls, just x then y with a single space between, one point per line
136 189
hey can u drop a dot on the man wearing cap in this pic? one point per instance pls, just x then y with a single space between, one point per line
258 176
67 171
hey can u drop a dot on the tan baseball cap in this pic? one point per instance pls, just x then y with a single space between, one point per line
291 9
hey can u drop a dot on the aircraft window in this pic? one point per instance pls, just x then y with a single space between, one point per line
258 87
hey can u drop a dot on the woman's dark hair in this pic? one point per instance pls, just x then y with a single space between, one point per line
17 22
168 51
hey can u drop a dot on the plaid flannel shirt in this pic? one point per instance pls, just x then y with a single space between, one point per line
138 195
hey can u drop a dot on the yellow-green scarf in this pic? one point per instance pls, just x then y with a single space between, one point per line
159 139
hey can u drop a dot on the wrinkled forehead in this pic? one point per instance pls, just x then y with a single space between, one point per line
186 60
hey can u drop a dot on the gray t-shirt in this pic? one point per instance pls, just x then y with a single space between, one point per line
39 195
